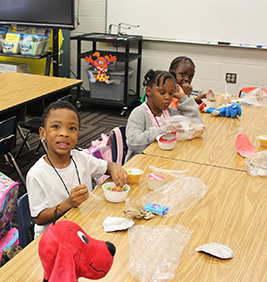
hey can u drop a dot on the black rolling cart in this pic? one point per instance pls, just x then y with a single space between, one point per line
121 41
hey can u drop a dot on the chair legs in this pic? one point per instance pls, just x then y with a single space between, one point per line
23 137
42 143
13 162
25 141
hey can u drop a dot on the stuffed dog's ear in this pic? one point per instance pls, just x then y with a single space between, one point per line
64 267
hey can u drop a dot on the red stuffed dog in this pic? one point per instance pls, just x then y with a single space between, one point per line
67 253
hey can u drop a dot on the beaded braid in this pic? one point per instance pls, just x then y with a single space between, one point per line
152 77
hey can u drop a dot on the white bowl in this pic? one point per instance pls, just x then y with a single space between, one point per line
166 145
115 196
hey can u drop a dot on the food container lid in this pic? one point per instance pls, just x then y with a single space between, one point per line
155 176
134 171
168 137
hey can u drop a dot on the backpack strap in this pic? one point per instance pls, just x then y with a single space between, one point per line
119 143
119 146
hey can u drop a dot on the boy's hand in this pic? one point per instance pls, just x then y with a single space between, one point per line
118 174
179 93
187 88
78 195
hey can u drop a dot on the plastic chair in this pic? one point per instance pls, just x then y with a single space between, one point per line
33 125
9 191
67 98
114 144
8 132
25 221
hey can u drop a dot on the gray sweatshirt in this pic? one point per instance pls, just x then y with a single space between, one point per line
140 132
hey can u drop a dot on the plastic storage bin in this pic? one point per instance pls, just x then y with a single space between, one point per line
33 48
12 47
112 91
2 37
6 66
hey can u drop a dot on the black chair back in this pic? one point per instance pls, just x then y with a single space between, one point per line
25 221
8 129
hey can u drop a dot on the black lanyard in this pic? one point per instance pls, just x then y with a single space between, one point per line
78 176
155 117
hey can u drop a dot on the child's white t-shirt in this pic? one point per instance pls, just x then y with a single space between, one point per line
45 188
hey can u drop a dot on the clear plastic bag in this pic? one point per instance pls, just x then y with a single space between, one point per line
256 97
179 195
257 164
155 251
186 128
174 173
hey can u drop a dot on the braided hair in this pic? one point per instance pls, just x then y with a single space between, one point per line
152 77
176 62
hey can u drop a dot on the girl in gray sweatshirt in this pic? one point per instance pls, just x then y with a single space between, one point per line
149 120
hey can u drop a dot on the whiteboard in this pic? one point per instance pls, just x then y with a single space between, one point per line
234 22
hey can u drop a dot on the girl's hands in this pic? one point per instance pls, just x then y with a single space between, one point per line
179 93
118 174
187 88
171 128
78 195
175 127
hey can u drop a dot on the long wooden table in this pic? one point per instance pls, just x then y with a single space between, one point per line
233 212
20 89
217 148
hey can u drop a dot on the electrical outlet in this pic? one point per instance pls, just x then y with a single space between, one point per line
230 77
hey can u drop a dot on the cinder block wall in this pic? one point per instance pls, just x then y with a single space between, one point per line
212 62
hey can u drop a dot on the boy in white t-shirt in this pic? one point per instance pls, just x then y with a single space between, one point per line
60 180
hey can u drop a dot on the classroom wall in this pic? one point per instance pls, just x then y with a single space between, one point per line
212 62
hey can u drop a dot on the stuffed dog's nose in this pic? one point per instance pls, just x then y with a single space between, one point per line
111 248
